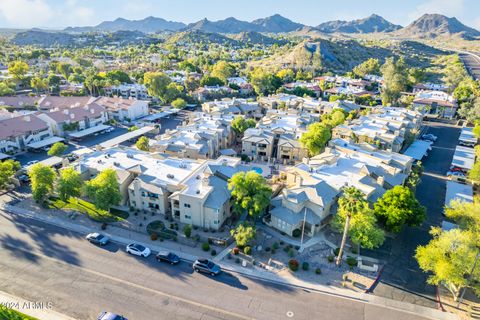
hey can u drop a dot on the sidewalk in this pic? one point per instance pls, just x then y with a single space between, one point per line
37 309
123 236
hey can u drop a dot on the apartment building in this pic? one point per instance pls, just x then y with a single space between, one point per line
124 109
231 107
128 90
191 191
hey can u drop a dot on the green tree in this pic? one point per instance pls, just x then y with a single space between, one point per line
316 137
118 76
18 70
454 71
191 84
38 84
187 230
172 92
416 75
357 221
448 258
211 81
6 89
395 79
474 173
415 176
244 234
143 144
264 82
240 124
156 83
179 103
57 149
69 184
42 179
370 66
8 168
223 70
64 69
286 75
104 189
398 207
132 128
250 192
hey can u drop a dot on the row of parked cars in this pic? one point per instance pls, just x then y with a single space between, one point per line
200 265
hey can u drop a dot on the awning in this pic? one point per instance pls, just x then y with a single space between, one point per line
418 149
125 137
467 135
44 143
459 192
89 131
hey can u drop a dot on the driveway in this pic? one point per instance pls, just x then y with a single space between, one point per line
402 278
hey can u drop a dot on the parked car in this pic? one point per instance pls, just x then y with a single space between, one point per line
169 257
110 316
138 250
206 266
29 163
456 175
467 143
455 169
109 130
97 238
430 137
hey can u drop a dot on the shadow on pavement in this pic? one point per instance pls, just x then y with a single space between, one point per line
18 248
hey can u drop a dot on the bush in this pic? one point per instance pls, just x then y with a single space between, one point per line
291 252
213 252
187 230
305 266
336 251
330 258
293 264
318 271
153 236
247 250
236 251
296 233
352 262
275 245
205 246
354 250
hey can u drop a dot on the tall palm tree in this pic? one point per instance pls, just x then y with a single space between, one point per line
352 202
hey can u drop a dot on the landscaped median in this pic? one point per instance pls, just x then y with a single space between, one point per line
89 209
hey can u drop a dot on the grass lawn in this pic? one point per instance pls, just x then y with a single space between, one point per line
10 314
89 209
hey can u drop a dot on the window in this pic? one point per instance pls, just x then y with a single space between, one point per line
132 192
143 193
188 217
186 205
215 221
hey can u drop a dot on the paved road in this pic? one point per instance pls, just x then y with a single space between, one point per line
44 263
472 63
402 278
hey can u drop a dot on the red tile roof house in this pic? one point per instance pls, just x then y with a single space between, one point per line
435 103
20 132
74 119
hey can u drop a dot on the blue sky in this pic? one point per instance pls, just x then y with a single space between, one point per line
62 13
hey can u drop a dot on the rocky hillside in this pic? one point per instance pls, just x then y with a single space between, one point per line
253 37
147 25
430 26
277 23
371 24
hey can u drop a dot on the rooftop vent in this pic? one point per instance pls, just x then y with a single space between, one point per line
170 176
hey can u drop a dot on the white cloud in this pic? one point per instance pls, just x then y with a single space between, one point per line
26 13
449 8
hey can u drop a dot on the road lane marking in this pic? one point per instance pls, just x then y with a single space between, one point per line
137 286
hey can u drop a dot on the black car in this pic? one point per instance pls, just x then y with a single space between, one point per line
110 316
206 266
97 238
166 256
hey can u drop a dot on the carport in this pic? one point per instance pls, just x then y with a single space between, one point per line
86 132
127 136
464 158
418 149
44 143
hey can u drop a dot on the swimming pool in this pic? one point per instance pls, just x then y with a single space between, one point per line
257 170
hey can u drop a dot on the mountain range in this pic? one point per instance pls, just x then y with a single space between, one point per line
371 24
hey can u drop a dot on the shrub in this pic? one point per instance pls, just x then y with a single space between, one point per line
336 251
153 236
187 230
352 262
205 246
247 250
213 252
318 271
210 241
291 252
293 264
330 258
354 250
305 266
275 245
296 233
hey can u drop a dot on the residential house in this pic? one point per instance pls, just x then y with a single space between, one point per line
436 104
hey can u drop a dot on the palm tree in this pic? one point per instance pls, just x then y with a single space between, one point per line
352 202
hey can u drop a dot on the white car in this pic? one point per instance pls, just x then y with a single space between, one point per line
430 137
30 163
138 250
456 174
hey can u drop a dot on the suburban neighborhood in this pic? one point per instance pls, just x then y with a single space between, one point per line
234 169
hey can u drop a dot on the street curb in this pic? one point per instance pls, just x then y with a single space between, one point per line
362 297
